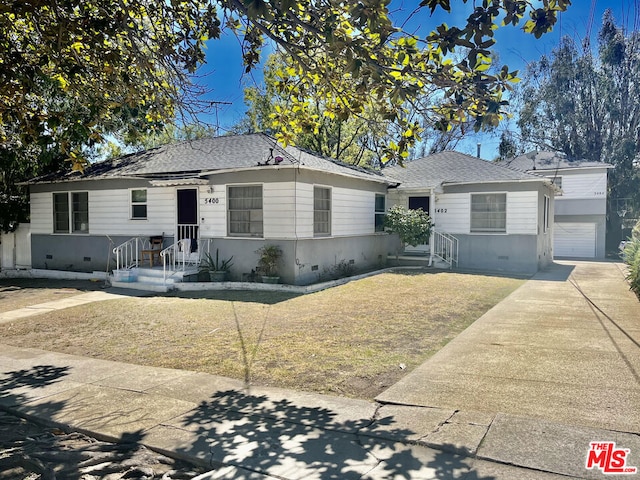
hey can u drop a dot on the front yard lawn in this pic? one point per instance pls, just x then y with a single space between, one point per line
355 340
18 293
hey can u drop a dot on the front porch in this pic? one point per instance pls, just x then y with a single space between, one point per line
154 279
176 263
445 253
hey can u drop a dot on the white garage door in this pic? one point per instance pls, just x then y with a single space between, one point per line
574 240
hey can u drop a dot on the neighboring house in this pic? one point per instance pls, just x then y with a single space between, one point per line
501 219
233 193
580 203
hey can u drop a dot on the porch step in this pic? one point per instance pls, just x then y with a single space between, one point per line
155 280
148 287
150 279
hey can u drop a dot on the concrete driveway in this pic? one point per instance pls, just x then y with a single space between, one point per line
564 347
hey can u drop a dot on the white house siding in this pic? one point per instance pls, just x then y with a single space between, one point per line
41 213
109 213
522 213
584 185
213 210
304 210
352 212
451 213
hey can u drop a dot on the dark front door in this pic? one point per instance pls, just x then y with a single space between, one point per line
414 204
419 202
188 213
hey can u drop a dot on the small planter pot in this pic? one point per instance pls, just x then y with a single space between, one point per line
218 276
270 279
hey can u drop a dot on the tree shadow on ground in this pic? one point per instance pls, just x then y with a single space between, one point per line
285 440
256 433
34 446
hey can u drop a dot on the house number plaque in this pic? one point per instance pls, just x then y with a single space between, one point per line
211 200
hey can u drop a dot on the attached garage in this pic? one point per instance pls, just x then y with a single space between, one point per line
574 240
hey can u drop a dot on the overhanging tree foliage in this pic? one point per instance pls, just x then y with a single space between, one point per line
74 71
358 140
586 104
138 54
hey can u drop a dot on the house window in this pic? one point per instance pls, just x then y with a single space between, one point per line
380 209
139 204
489 212
61 212
546 212
321 211
71 212
245 211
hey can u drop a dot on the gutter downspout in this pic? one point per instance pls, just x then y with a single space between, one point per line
432 208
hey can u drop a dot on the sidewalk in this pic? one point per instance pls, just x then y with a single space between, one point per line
519 395
247 434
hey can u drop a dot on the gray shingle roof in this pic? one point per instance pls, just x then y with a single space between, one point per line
196 157
531 161
451 167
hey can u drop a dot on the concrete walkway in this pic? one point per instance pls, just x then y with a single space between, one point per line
72 301
518 395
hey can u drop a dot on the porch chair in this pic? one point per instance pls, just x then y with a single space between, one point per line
155 247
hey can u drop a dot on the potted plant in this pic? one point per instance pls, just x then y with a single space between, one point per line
268 263
217 269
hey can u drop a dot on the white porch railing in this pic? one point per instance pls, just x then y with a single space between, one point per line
128 253
445 247
183 253
188 231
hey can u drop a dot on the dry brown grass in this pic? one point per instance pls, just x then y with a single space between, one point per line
18 293
349 340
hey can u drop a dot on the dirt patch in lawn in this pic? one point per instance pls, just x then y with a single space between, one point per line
354 340
18 293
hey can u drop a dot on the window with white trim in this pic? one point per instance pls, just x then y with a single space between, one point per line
547 211
245 211
71 212
379 209
321 211
139 204
489 212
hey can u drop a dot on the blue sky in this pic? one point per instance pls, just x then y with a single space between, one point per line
515 48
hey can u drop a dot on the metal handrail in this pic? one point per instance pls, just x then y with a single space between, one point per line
128 253
445 247
180 255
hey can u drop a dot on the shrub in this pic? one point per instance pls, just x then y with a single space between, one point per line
631 256
412 226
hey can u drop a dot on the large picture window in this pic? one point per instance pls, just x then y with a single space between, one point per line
321 211
71 212
245 211
489 212
139 204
